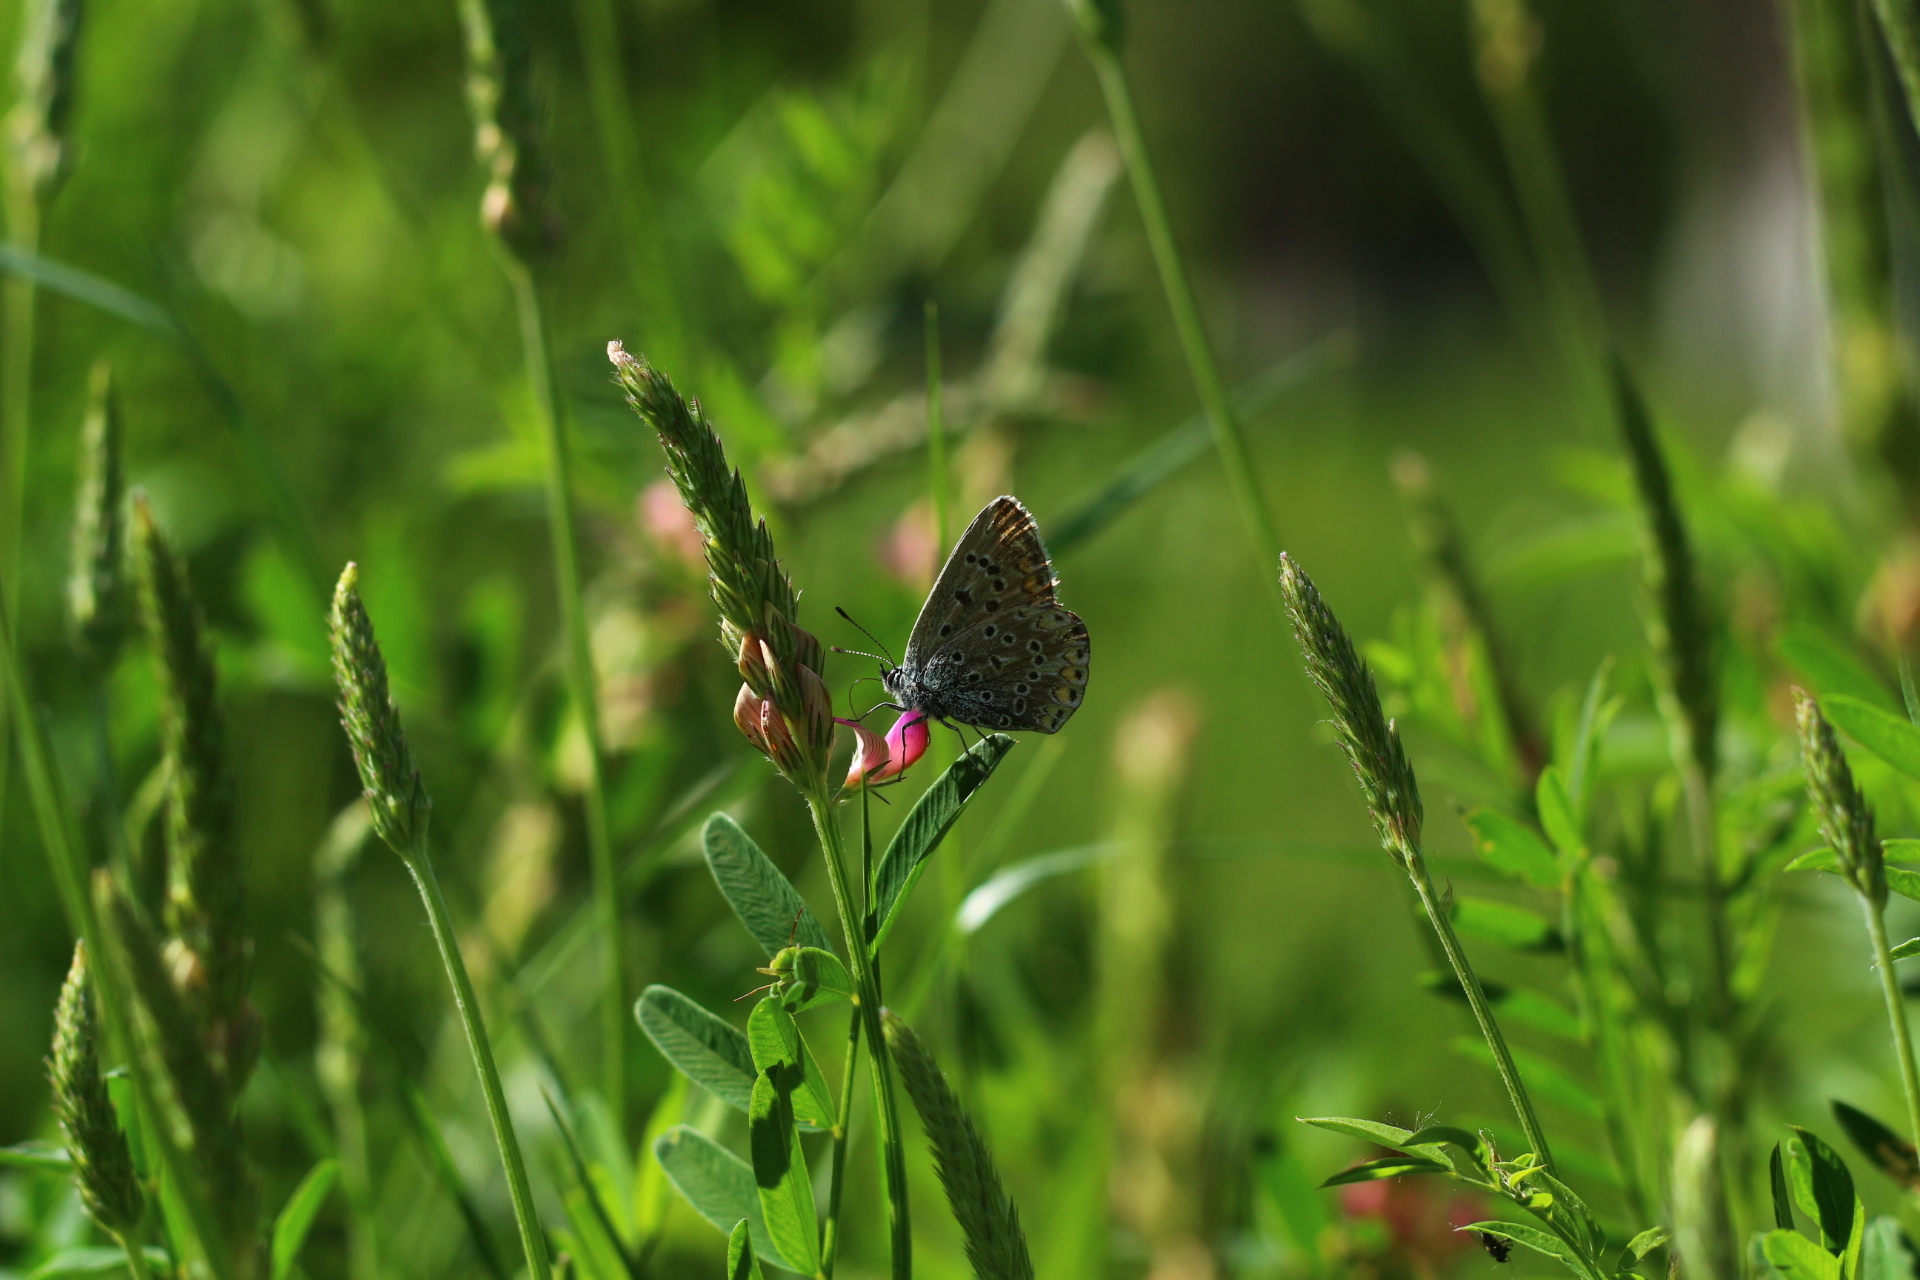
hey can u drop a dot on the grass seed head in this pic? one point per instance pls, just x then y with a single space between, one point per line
206 876
39 128
1846 819
1370 740
97 587
102 1162
395 794
988 1218
507 134
783 709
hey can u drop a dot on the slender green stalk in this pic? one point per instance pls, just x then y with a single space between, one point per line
581 688
1896 1012
936 432
1099 42
866 982
830 1230
1372 746
519 1189
1463 973
136 1257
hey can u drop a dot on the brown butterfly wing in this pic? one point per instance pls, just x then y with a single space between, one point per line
998 563
993 646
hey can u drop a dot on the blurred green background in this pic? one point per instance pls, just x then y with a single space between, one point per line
293 183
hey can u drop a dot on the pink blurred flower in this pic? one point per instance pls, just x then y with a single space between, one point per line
908 551
670 525
876 759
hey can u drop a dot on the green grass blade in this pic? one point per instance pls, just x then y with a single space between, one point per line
84 286
296 1218
766 901
1169 455
926 826
717 1183
707 1050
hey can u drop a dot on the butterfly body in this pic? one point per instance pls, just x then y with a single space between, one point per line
993 646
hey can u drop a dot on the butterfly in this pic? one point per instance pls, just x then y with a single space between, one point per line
992 646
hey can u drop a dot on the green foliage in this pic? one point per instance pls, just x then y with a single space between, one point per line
771 908
296 1217
707 1049
719 1185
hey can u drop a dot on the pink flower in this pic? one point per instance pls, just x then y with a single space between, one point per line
876 759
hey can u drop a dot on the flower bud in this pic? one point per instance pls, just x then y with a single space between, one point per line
876 760
816 706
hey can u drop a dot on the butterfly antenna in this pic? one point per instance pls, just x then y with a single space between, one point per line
868 634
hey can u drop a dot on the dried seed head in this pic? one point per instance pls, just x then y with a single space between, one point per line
1846 819
989 1221
40 125
1370 740
102 1163
97 588
395 794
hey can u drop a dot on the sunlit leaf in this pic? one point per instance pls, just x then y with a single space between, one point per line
1510 847
708 1050
766 902
296 1218
1505 924
775 1039
1797 1258
1891 737
718 1184
1389 1167
780 1167
741 1264
1386 1135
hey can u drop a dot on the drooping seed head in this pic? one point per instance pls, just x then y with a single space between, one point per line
395 794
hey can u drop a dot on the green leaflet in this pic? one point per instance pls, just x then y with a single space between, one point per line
717 1183
933 815
1821 1186
1645 1243
1906 950
1510 847
780 1167
741 1264
1534 1238
775 1038
1900 880
1883 1255
1506 925
709 1051
1892 1154
1387 1167
766 902
42 1156
1831 667
1556 812
296 1219
1797 1258
1891 737
1386 1135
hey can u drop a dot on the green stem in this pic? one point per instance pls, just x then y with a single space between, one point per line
830 1233
866 982
580 688
1896 1011
136 1256
1416 866
1178 287
519 1190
